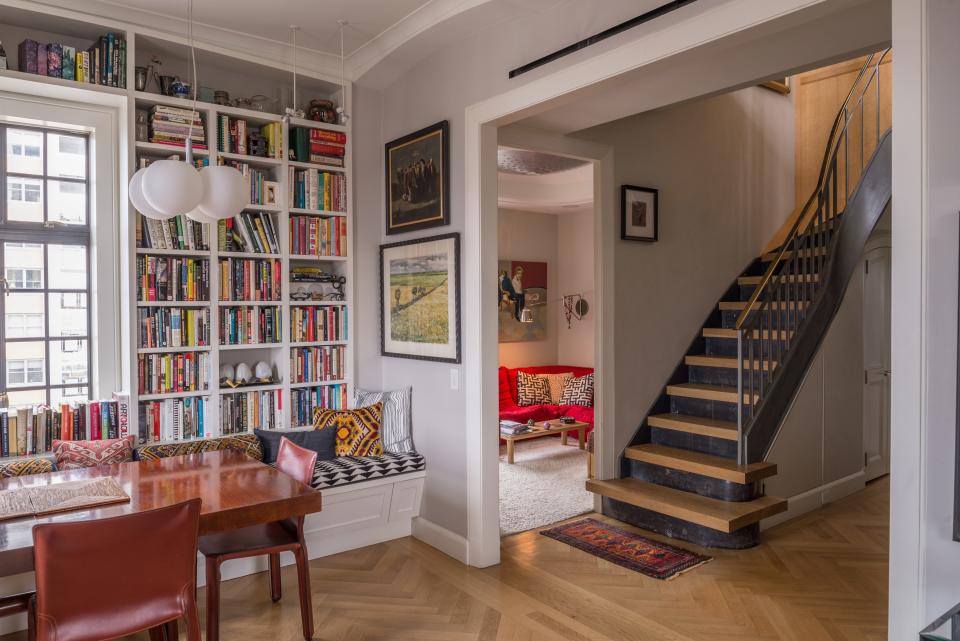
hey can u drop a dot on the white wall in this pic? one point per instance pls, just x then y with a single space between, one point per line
575 275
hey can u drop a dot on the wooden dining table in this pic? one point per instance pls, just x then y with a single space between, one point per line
235 490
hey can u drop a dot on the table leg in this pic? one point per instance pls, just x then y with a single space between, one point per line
563 437
510 451
582 437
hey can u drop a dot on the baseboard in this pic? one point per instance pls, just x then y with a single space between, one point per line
817 497
450 543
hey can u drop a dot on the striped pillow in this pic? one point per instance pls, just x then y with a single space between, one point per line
532 390
396 430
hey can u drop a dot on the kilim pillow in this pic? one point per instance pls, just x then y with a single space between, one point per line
579 391
396 431
25 467
532 390
357 431
558 383
73 455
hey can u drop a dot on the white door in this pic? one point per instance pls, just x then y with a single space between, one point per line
876 363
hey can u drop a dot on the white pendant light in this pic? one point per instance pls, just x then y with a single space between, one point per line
224 195
172 187
200 217
139 202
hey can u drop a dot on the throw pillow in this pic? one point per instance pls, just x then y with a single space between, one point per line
396 431
579 391
557 382
72 455
357 431
319 441
532 390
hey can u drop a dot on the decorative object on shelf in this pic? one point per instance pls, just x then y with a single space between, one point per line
3 57
417 176
522 304
227 372
140 78
244 376
639 212
205 94
420 299
180 89
166 84
244 373
263 371
221 97
317 275
322 110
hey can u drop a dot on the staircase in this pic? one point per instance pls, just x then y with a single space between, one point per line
695 467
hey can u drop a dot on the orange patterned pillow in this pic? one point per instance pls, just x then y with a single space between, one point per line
357 431
73 455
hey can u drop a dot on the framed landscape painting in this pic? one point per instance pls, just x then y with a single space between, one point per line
420 299
418 179
639 215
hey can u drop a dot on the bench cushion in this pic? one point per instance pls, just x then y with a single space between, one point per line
24 467
249 444
345 470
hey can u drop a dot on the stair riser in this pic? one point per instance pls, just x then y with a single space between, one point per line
707 409
695 442
746 291
696 483
726 376
729 318
745 537
728 347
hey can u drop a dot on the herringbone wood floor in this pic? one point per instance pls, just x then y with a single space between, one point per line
820 577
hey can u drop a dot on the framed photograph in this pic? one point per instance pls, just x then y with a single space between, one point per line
420 299
639 216
418 179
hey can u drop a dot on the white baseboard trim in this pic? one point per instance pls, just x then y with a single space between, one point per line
817 497
450 543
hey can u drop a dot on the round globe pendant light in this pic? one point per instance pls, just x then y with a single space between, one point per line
200 217
224 195
172 187
139 202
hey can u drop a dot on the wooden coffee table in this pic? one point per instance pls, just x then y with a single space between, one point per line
546 428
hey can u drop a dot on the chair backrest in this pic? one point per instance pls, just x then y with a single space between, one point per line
106 578
296 461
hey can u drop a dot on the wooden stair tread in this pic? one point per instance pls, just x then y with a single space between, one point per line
698 463
726 430
790 278
705 392
729 332
727 362
724 516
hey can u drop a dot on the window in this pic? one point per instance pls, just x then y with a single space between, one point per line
45 346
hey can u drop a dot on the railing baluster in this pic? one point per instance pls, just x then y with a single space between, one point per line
740 459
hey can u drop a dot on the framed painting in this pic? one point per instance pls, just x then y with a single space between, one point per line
522 286
639 215
420 299
418 179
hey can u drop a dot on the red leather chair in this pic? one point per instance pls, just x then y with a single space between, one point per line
108 578
270 539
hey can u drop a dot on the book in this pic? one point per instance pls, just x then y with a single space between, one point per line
42 67
27 57
54 59
68 63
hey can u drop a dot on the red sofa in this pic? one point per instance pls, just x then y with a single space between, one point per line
509 410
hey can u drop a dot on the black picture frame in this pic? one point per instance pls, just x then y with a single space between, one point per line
456 342
434 213
625 228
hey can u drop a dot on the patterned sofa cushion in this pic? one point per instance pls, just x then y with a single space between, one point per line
345 470
24 467
249 444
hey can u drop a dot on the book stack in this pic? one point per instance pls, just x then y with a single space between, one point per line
172 327
310 323
172 125
243 279
104 63
317 364
318 146
234 137
178 232
171 420
512 428
313 236
255 181
248 232
305 401
31 430
171 278
249 325
246 411
172 373
318 190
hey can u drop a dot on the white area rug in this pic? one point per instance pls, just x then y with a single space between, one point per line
544 485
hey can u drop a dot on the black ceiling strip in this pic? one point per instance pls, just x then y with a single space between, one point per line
603 35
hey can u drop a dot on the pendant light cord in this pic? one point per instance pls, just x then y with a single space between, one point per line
193 82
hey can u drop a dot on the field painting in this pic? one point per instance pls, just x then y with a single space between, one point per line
420 299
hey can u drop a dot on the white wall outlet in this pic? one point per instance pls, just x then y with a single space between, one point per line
454 378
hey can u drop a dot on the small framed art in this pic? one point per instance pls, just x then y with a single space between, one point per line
418 179
639 215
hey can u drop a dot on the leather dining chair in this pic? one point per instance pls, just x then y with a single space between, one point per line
269 539
107 578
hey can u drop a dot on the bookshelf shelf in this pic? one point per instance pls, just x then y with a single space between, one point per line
60 82
172 303
158 149
249 303
226 254
250 346
313 124
253 161
322 259
316 212
319 303
190 253
317 166
169 395
251 388
172 350
317 384
317 343
273 209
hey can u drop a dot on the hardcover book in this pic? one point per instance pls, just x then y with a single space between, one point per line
68 63
54 60
27 53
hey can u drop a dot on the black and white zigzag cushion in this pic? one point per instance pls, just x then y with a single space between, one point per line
345 470
532 390
579 391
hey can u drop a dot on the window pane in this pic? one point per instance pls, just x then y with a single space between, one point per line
24 315
25 199
68 314
25 364
68 362
23 265
59 395
24 151
67 202
26 397
67 156
68 266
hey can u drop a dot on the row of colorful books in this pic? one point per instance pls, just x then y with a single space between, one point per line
32 430
172 419
104 63
304 401
317 364
237 136
172 373
178 232
173 125
171 327
318 145
246 411
253 232
172 278
257 183
249 325
249 279
310 323
315 189
315 236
